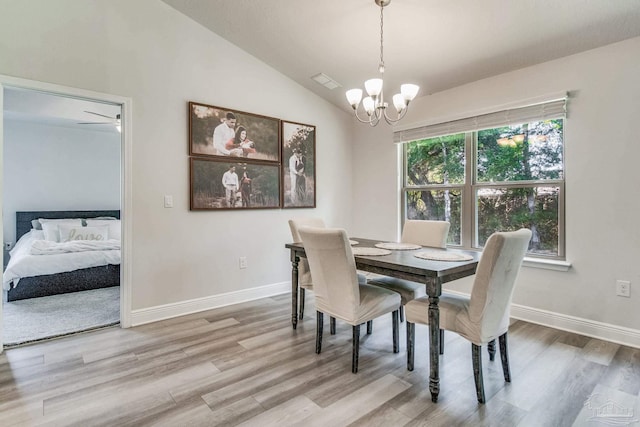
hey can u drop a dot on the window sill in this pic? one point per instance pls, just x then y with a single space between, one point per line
546 264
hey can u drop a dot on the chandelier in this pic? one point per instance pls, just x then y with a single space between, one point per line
374 105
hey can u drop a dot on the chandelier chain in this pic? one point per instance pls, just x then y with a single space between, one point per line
374 104
381 65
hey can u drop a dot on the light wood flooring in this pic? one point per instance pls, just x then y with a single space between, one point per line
244 365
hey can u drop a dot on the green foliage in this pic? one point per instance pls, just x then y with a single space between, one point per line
207 180
509 154
536 156
302 139
437 160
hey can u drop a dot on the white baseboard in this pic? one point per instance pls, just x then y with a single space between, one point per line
591 328
167 311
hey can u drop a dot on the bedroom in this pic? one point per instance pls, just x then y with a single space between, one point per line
52 163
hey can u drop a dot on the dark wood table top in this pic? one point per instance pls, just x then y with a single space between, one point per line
403 263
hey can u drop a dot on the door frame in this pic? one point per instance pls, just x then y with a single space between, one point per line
126 204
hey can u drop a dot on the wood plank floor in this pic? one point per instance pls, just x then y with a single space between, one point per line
244 365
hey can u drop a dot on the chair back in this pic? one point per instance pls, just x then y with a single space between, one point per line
296 223
304 275
335 281
426 233
494 282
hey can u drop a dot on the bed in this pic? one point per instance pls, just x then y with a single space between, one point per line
53 272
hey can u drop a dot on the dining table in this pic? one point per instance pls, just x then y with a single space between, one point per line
404 264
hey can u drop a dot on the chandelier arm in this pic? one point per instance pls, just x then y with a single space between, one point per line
399 117
366 121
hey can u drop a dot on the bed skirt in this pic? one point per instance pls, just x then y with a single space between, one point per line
73 281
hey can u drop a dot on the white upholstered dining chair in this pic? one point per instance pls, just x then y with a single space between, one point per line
305 281
484 316
337 290
419 232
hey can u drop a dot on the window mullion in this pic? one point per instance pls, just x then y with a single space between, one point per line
468 199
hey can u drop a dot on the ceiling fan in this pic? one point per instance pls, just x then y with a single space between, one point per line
115 121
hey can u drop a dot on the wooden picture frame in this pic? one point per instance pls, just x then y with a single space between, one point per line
217 132
298 165
210 186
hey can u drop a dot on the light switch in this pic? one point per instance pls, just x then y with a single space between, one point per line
168 201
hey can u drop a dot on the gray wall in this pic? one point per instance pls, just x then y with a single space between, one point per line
57 168
147 51
602 176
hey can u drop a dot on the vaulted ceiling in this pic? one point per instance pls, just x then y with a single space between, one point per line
438 44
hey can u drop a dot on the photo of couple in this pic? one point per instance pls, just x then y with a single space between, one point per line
228 185
216 131
241 160
298 146
233 188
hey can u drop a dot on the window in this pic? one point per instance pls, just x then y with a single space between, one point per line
496 179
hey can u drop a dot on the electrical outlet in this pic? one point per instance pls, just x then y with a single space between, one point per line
242 262
623 288
168 201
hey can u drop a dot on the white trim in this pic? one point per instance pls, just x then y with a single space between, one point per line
126 213
591 328
1 195
182 308
577 325
546 264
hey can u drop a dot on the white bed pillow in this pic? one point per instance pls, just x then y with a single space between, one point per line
50 227
69 233
37 234
113 224
61 220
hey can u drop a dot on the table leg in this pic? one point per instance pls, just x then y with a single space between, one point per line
294 290
434 346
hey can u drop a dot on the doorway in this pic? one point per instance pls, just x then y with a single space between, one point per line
103 115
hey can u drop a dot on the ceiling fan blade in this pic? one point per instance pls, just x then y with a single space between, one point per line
98 114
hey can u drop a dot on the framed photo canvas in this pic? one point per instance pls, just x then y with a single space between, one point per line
298 165
224 132
227 184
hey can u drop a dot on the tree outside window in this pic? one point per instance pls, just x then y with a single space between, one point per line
498 179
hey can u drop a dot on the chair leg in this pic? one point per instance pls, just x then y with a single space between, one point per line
369 327
302 294
401 313
441 341
411 334
395 323
332 325
319 324
492 350
356 349
476 355
504 355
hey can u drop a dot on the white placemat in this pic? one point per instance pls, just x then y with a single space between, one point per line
370 251
397 246
353 242
443 256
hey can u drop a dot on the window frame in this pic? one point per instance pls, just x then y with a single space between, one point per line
469 212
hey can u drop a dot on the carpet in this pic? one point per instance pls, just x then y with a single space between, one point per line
35 319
